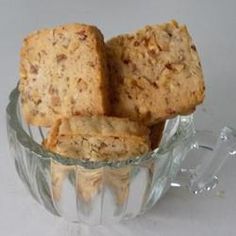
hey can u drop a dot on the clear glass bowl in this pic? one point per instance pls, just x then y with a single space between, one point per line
105 192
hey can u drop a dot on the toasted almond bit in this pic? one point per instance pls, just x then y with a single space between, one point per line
52 90
90 63
55 100
134 67
177 67
136 43
76 113
155 85
136 85
34 112
170 111
61 57
152 52
126 61
194 47
82 34
38 101
44 52
72 101
81 85
168 66
33 69
41 114
167 100
130 37
129 96
159 47
146 41
169 33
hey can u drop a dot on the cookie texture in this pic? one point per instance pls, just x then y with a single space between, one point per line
63 72
155 73
98 138
95 138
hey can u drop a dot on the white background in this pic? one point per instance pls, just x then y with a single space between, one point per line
213 27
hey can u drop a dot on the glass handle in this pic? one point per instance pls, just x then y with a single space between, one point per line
213 152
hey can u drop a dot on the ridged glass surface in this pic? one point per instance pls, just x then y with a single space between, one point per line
95 193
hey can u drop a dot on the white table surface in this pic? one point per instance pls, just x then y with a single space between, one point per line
213 26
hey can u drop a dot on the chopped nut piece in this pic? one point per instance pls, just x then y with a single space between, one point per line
61 57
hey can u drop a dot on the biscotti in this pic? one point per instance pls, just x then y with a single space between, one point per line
95 138
155 73
98 138
63 72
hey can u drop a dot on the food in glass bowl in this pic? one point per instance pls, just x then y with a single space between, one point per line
105 192
95 138
99 131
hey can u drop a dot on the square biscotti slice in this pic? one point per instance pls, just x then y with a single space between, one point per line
155 73
95 138
98 138
63 72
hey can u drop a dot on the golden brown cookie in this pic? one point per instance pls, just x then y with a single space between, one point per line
155 73
95 138
63 72
98 138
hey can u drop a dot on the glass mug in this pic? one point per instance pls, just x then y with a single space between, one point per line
106 192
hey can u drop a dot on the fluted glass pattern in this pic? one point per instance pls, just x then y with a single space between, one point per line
95 193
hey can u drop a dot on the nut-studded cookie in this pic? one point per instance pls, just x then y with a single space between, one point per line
63 72
95 138
98 138
155 73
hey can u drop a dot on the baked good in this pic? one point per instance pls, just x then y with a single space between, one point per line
95 138
155 73
63 72
98 138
